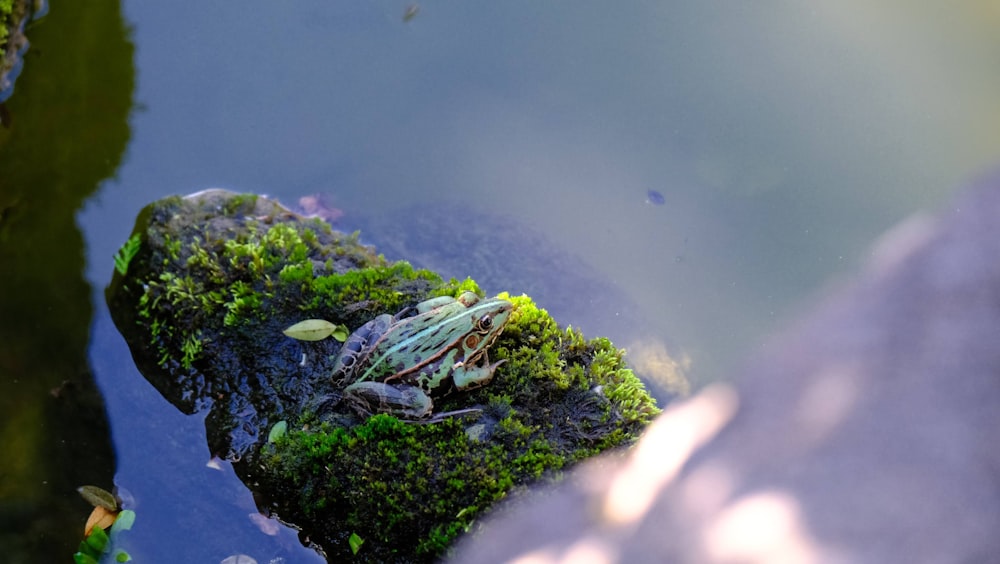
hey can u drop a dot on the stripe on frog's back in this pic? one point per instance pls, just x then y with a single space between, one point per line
422 335
438 327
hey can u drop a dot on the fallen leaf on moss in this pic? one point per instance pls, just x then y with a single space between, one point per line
311 330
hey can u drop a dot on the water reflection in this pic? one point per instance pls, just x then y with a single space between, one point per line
67 134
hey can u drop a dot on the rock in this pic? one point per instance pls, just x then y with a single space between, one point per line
202 293
869 432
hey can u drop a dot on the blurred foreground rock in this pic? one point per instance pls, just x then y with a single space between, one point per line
868 433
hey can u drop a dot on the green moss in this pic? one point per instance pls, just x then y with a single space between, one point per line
392 479
539 458
292 273
172 247
205 264
243 302
378 284
199 274
191 349
6 10
240 204
454 288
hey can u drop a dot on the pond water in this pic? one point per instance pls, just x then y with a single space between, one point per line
779 137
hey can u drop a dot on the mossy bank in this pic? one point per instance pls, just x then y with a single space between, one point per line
13 17
202 293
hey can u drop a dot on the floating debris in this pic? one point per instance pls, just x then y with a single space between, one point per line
238 559
266 525
99 497
655 198
411 12
651 360
316 205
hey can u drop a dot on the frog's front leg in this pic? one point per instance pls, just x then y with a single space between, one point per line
395 399
469 377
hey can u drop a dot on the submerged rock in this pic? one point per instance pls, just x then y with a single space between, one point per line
202 294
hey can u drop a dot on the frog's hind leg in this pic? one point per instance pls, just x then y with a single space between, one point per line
358 346
379 397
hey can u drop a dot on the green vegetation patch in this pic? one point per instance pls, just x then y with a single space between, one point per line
203 275
6 21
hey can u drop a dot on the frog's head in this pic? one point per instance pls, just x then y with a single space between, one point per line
488 319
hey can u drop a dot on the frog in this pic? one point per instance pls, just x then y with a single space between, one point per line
397 364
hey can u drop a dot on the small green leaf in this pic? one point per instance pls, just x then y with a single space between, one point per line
97 540
81 558
122 556
277 431
124 521
355 541
340 332
126 253
86 550
99 497
310 330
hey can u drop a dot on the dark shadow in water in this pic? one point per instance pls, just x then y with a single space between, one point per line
68 132
504 254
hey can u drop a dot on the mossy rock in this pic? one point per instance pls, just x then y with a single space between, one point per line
14 15
209 283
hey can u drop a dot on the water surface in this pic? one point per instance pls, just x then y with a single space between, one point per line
782 136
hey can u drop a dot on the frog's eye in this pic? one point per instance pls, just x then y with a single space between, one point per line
485 323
